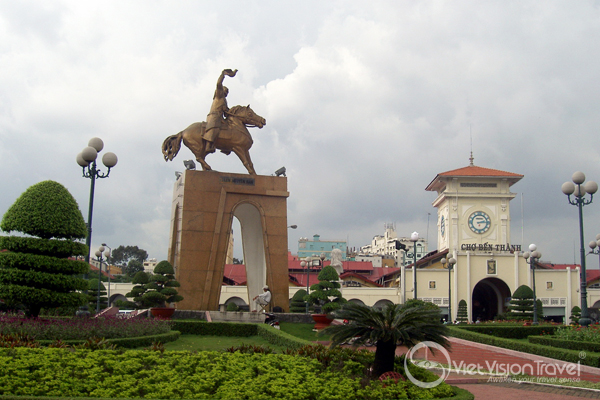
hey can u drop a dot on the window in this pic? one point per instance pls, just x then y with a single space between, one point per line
431 284
549 285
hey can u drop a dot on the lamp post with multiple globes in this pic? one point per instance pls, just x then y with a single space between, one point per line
578 190
87 160
450 267
414 237
531 259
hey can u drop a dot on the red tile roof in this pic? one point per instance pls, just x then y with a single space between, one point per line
474 171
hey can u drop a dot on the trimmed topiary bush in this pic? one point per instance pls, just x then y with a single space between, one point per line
521 304
298 305
462 315
35 271
93 294
575 315
161 288
327 288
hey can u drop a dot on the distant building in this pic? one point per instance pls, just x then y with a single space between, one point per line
149 264
385 246
316 247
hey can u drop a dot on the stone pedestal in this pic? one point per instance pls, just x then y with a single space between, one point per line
204 205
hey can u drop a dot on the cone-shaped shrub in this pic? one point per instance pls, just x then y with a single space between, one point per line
327 288
521 304
298 305
36 271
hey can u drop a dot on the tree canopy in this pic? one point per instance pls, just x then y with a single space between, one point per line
36 271
122 255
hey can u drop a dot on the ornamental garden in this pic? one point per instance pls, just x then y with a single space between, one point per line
82 357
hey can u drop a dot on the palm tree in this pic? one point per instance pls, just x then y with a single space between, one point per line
389 327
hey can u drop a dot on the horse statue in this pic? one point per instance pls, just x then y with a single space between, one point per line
234 136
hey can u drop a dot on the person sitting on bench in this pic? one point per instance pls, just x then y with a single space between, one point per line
262 300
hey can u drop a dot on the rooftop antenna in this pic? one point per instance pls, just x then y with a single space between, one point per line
471 135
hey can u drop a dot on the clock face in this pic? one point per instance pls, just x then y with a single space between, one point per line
479 222
443 226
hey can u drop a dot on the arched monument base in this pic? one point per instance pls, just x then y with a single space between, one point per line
204 205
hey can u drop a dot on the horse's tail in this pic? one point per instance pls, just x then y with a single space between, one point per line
171 146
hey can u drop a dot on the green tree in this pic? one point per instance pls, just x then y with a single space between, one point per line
462 315
93 294
36 271
298 305
327 288
389 327
521 304
122 255
133 267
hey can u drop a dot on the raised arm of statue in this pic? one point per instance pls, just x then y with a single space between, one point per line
220 89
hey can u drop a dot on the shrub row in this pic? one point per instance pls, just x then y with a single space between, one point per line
565 344
591 359
204 328
127 343
511 331
179 375
277 337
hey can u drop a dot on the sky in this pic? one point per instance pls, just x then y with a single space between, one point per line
365 102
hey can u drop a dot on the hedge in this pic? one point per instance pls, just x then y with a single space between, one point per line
511 331
591 359
272 335
204 328
277 337
565 344
128 343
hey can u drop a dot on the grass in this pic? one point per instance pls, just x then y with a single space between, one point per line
220 343
217 343
303 331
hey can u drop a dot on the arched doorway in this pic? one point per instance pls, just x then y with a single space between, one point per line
488 300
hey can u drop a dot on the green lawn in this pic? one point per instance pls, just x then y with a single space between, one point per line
217 343
302 331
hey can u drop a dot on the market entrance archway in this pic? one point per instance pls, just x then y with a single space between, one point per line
489 299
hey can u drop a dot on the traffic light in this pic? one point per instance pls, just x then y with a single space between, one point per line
400 246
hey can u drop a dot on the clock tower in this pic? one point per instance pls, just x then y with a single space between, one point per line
473 208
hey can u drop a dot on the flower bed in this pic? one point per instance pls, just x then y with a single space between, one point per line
178 375
82 328
577 333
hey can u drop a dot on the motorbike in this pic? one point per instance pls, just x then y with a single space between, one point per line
272 320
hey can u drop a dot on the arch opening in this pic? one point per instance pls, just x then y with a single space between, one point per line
490 298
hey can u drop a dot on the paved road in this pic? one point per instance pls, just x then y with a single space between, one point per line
470 353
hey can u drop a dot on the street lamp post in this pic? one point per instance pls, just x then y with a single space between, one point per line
531 259
450 267
108 254
100 260
414 237
306 263
595 247
578 190
87 160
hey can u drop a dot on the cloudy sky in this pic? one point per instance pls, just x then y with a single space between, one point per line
365 103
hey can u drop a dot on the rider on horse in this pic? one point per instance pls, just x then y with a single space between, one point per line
215 118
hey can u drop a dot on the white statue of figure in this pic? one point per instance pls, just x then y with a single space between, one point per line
336 261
